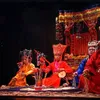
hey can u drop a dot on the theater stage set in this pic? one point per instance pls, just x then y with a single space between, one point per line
73 24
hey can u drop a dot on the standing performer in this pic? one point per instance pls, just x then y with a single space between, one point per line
60 69
26 67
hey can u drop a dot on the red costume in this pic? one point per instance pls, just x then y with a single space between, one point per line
93 74
57 66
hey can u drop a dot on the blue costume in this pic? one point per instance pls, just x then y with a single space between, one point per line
80 69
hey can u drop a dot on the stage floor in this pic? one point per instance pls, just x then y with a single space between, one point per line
28 93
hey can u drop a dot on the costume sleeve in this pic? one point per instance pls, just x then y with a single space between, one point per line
31 69
90 64
68 69
45 68
81 66
32 65
48 68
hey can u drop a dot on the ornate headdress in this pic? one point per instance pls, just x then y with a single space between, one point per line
26 52
59 48
93 43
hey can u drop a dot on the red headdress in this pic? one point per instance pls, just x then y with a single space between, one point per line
59 48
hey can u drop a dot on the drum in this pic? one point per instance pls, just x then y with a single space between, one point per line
62 74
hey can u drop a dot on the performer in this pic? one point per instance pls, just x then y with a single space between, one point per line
26 67
92 47
90 80
59 68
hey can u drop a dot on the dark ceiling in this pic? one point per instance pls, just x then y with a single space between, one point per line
72 5
50 0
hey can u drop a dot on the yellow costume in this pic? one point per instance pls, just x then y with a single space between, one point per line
25 69
20 78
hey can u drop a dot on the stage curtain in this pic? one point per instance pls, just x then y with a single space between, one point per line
79 46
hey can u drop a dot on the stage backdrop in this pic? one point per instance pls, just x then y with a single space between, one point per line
70 29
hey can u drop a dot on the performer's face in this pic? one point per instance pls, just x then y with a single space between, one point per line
57 57
97 62
25 60
91 50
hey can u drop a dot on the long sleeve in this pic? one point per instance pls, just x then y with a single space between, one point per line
90 64
81 66
31 69
45 68
68 69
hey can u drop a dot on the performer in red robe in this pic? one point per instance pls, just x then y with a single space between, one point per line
90 80
92 47
60 69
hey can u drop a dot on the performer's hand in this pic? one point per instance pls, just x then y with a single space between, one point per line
75 74
19 64
65 84
98 70
86 73
14 79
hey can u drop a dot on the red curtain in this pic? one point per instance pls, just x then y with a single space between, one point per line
79 46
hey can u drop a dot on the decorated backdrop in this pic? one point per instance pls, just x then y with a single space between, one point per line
70 26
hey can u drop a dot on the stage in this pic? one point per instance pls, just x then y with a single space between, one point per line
27 93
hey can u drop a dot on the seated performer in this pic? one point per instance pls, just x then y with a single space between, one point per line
26 67
92 47
90 80
60 69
